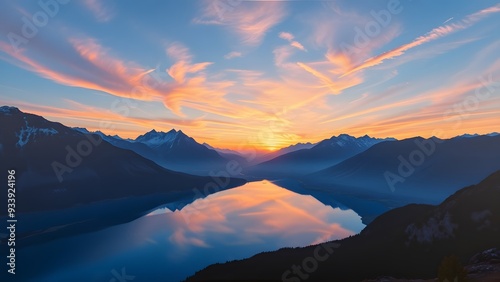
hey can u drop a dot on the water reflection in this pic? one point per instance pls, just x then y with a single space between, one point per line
171 245
255 211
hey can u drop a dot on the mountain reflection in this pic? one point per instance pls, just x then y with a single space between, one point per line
253 212
228 225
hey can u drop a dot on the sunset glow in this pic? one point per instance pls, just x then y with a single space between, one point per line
256 74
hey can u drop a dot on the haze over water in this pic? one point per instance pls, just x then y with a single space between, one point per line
229 225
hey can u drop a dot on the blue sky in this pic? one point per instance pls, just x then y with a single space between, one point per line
261 73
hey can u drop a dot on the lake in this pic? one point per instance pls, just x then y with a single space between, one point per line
170 245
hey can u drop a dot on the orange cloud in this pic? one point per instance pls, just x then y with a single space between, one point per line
297 45
336 87
184 63
432 35
89 67
289 37
286 35
268 108
442 108
179 70
127 126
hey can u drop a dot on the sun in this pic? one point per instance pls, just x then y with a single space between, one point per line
271 145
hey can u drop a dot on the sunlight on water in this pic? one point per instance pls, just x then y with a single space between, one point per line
232 224
260 209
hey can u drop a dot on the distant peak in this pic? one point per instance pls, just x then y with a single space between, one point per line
81 130
153 132
9 110
180 133
157 138
343 136
366 136
468 135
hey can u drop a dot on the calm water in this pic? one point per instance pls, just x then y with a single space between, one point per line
171 245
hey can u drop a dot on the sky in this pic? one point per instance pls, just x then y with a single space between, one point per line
261 74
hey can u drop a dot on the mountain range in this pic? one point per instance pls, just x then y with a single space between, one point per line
391 171
101 180
282 151
294 163
423 170
59 167
417 169
174 150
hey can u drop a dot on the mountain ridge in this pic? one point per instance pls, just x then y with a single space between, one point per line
407 242
58 170
323 154
428 168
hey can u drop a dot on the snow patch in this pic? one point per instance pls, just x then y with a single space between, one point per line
8 110
81 130
155 139
436 228
341 143
29 132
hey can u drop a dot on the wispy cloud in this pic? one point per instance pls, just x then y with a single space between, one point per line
336 87
298 45
184 65
100 9
437 108
82 62
290 38
250 20
233 54
273 97
281 55
434 34
286 35
450 19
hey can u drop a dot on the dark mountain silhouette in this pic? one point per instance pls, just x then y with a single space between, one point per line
408 242
59 167
421 170
322 155
176 146
282 151
229 155
467 135
176 151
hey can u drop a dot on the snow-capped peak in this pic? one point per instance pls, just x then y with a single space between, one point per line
8 110
466 135
155 138
81 130
344 140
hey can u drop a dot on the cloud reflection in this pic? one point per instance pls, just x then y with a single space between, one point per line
255 213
